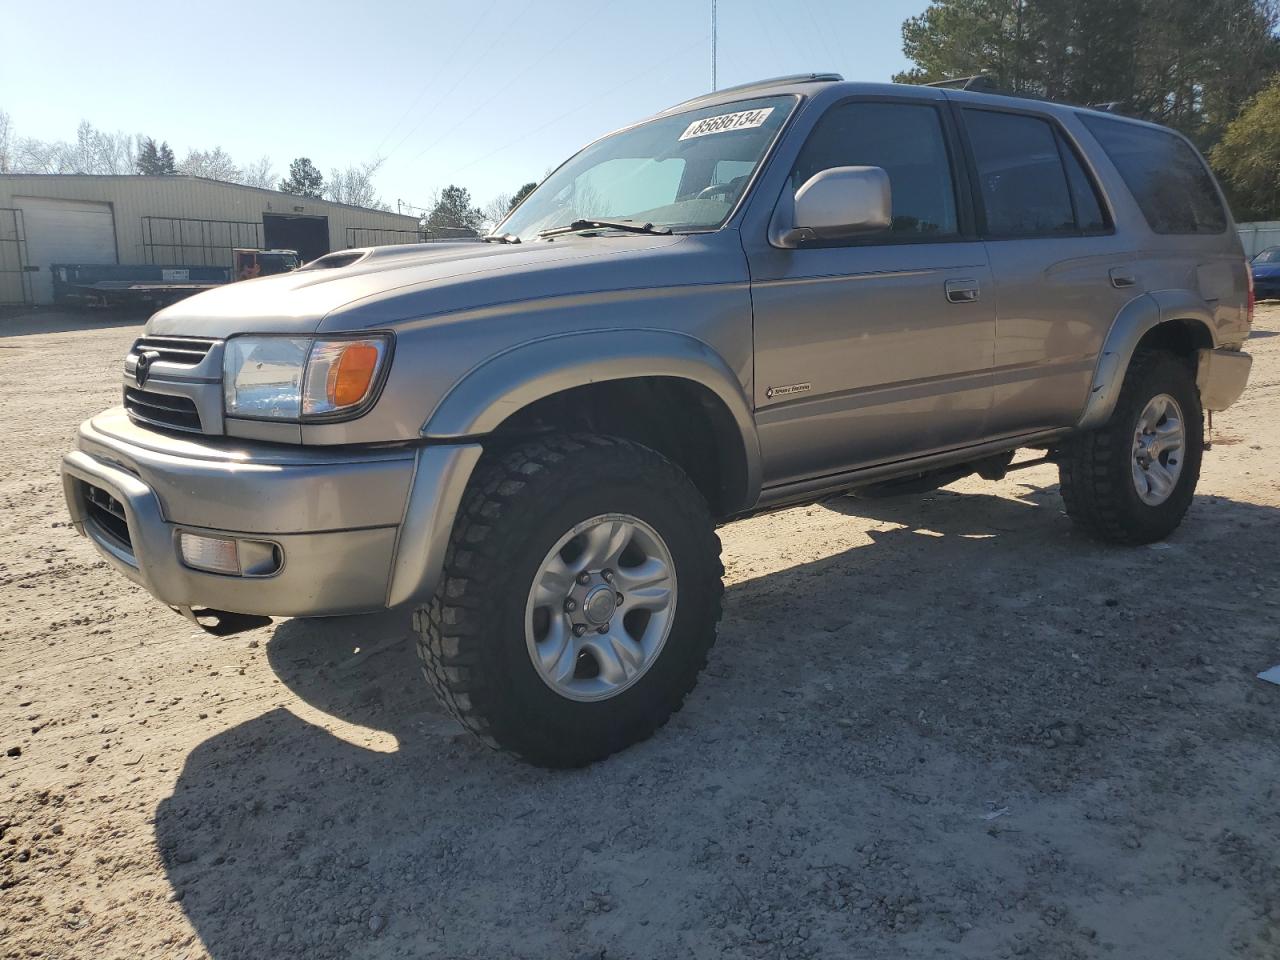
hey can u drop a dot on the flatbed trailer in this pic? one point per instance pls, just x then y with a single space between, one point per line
156 285
113 284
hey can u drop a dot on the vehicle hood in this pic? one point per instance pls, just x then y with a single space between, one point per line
1269 271
387 285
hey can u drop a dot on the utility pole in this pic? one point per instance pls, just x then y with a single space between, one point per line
713 44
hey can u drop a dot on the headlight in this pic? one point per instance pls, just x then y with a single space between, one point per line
298 378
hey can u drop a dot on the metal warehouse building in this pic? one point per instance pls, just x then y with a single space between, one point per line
170 220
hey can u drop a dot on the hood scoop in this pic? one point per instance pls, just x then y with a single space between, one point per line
332 261
396 251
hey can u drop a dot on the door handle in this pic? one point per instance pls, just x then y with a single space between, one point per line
1122 278
962 291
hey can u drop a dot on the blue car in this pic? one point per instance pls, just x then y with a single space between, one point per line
1266 274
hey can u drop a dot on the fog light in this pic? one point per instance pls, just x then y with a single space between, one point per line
209 553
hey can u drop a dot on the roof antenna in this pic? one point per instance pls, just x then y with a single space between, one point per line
713 45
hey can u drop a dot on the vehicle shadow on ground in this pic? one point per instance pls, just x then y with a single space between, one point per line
26 323
738 827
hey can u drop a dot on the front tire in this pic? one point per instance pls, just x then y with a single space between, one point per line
579 599
1132 480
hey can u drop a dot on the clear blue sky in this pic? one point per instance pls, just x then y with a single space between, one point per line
484 93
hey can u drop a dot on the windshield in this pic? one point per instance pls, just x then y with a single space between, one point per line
277 262
685 171
1270 255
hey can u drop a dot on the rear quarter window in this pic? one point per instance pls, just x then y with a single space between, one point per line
1166 177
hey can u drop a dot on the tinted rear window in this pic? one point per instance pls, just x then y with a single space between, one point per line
1030 180
1166 177
1090 217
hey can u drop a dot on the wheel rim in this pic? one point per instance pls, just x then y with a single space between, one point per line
1158 442
601 607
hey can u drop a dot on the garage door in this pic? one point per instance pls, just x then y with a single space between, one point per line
65 231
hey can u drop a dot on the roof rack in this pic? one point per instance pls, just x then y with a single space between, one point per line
771 82
980 83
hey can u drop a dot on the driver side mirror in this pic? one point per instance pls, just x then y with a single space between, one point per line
835 204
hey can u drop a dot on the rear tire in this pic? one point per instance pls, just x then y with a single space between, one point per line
585 516
1111 484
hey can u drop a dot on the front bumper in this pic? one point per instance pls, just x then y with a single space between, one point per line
353 531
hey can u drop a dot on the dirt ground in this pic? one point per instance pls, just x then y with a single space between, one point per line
945 726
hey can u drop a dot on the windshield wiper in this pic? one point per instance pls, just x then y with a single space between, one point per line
500 238
629 225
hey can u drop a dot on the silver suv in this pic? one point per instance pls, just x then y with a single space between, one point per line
766 296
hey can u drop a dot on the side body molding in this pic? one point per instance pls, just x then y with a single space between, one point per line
1131 324
504 384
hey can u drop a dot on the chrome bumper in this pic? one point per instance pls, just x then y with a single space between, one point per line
355 531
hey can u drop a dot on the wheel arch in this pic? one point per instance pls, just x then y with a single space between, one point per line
1176 320
665 389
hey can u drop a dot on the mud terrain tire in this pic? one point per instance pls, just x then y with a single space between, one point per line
473 636
1096 469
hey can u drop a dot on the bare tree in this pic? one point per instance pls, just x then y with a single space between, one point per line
216 164
7 158
96 151
37 156
260 173
354 185
496 210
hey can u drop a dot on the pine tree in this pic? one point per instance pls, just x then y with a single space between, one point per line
153 159
520 194
454 214
304 179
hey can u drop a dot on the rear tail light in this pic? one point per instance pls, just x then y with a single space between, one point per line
1253 300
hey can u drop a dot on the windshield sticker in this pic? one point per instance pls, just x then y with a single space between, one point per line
744 120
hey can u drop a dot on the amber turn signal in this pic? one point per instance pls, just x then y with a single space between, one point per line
341 374
350 378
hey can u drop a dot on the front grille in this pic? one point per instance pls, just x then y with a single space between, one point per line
108 513
187 351
162 409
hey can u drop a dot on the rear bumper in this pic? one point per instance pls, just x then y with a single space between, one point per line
1221 376
352 531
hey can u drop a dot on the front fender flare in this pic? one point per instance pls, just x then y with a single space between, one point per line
506 383
1134 321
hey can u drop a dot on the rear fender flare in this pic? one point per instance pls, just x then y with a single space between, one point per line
1134 321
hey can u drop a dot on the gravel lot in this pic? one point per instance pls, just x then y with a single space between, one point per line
945 726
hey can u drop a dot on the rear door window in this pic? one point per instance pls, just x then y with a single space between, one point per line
1168 180
1022 181
907 141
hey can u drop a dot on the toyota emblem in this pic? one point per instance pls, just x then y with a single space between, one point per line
142 369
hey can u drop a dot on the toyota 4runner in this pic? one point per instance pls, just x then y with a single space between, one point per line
765 296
